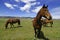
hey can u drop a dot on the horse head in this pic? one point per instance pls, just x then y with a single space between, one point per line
45 12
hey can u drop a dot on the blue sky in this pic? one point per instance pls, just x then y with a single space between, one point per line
28 8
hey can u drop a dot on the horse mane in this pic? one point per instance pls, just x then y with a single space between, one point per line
38 13
38 16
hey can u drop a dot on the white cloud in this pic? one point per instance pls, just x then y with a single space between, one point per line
27 1
47 1
57 9
28 4
9 5
33 3
26 7
15 5
56 17
38 2
37 9
55 12
17 0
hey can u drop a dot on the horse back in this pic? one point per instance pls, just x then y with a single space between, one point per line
14 20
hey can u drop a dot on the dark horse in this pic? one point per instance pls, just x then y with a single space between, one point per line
11 21
37 24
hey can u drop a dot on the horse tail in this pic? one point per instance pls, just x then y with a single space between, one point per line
18 22
6 25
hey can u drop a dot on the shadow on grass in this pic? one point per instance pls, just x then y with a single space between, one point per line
47 26
41 36
17 27
14 27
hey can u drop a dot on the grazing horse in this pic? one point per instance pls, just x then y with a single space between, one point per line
37 24
46 21
11 21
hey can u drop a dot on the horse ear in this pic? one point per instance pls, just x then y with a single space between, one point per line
47 5
43 5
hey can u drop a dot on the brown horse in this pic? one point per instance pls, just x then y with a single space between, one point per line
37 24
11 21
46 21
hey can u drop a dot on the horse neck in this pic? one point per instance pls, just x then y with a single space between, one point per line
39 14
38 17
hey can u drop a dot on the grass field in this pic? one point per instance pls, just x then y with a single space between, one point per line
26 32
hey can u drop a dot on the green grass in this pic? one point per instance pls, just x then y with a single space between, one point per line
26 32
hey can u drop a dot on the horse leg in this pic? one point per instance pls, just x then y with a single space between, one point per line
18 23
35 32
38 33
11 25
6 26
51 23
44 25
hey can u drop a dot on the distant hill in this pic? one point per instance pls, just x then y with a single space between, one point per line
14 17
7 17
